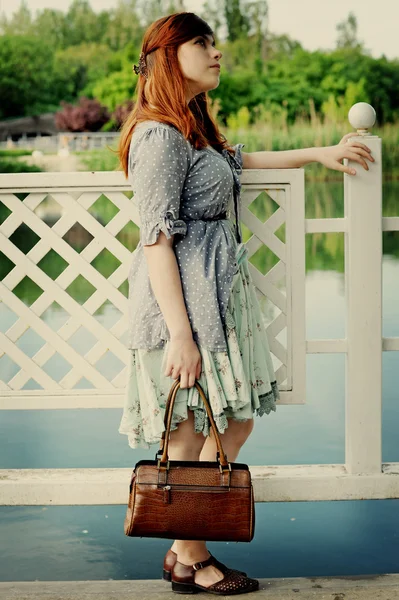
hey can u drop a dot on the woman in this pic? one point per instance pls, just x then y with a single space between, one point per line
194 313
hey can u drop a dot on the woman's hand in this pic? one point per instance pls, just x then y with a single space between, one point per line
331 156
183 359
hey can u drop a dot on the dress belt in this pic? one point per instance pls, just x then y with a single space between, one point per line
218 217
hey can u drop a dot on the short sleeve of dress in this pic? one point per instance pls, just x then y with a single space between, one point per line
158 166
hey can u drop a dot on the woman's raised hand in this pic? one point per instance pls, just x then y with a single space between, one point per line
331 156
183 359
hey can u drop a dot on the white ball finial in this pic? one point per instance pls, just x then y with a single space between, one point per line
362 117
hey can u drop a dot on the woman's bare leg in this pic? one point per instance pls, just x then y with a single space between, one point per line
232 440
185 444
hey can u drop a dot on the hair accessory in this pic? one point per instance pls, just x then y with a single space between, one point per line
142 67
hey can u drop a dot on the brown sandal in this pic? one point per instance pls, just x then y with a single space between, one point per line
171 558
183 580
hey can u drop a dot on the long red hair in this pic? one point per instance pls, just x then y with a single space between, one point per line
165 88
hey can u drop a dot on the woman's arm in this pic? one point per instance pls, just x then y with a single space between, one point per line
166 284
183 359
329 156
281 159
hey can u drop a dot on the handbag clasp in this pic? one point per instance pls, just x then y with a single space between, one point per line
221 468
162 472
225 470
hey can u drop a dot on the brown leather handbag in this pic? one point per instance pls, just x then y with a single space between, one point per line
190 500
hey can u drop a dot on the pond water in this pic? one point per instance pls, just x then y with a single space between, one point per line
292 538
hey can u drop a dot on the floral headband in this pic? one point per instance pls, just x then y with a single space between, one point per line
142 66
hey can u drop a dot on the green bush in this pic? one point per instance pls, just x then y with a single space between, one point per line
10 166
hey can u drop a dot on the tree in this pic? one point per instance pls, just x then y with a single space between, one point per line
116 89
282 45
82 24
150 11
213 14
238 24
347 33
51 24
336 108
80 67
258 15
20 23
28 83
124 26
175 6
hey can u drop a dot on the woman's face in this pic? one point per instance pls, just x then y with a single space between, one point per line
197 58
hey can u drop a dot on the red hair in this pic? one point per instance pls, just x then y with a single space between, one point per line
165 88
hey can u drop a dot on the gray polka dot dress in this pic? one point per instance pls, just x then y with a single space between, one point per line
187 193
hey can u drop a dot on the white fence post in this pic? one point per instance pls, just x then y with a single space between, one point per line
363 288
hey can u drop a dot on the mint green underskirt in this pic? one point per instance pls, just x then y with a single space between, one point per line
238 383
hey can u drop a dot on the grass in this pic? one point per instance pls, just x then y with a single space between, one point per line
13 166
99 160
12 153
265 136
262 136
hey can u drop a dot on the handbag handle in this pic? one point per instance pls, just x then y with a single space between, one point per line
220 455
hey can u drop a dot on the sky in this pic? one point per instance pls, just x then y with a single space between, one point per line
311 22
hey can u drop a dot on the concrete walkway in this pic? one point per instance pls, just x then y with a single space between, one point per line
367 587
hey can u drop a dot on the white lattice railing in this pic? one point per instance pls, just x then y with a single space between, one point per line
74 203
362 476
74 210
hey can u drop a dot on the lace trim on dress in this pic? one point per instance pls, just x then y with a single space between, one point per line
202 423
268 401
267 404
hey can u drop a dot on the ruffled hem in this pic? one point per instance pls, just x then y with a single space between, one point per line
267 403
239 383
